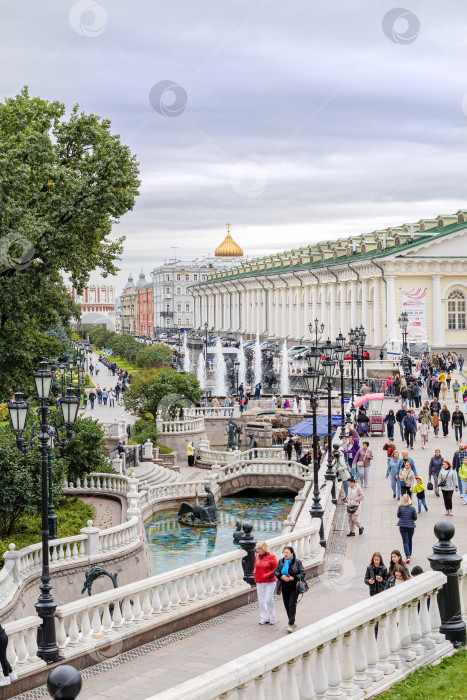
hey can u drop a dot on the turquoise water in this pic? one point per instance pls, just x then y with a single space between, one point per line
172 545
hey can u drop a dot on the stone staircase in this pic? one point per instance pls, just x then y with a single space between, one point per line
152 473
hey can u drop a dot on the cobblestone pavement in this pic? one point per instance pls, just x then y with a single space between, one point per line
179 657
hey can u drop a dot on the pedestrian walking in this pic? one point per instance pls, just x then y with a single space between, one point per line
289 572
436 463
419 489
298 449
444 416
288 447
407 479
399 576
99 395
390 420
92 398
435 423
455 388
190 453
447 481
400 415
423 428
363 459
397 560
353 448
341 470
8 673
111 397
355 497
392 472
463 478
457 422
265 566
376 574
407 515
410 427
258 391
104 396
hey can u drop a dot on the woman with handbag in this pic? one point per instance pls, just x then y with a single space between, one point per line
354 499
290 576
447 482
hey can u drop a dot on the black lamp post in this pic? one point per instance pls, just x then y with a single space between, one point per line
362 337
237 370
353 347
340 353
313 380
19 410
404 324
315 328
328 367
52 517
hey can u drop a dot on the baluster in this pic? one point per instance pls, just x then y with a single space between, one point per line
68 551
347 670
32 643
216 580
306 690
208 587
96 620
74 552
21 648
126 611
406 652
292 686
233 581
61 633
73 632
106 620
320 680
137 612
383 646
393 639
435 619
174 597
54 553
117 616
224 578
165 600
415 629
334 671
183 591
259 688
276 691
11 650
242 692
156 601
425 624
360 662
372 653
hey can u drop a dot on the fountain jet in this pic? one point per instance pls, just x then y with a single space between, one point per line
242 369
186 354
257 360
220 387
201 371
285 387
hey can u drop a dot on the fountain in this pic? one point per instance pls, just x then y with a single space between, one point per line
303 405
295 405
201 371
285 387
186 355
257 360
220 388
242 359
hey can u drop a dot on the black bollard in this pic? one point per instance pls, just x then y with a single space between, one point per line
248 543
446 560
64 683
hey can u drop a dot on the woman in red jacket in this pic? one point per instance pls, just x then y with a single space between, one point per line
265 564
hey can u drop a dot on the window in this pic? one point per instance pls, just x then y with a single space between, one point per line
187 321
203 277
179 290
187 277
187 291
178 278
179 321
187 308
167 290
167 277
179 307
195 277
456 311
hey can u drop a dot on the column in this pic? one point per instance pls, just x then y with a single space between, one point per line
277 313
439 321
332 311
343 309
284 312
353 303
314 303
244 310
392 329
291 312
365 313
377 313
306 315
271 317
299 330
323 315
247 311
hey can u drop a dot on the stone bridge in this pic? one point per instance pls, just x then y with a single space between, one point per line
256 474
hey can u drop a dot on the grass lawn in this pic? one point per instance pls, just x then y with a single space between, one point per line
72 516
123 364
447 680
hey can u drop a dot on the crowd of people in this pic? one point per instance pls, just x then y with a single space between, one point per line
111 395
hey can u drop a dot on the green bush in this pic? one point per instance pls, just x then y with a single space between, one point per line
144 430
153 356
163 450
71 517
85 452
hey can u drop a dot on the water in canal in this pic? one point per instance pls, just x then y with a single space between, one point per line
172 545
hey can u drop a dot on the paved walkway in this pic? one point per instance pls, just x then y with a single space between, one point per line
106 414
167 662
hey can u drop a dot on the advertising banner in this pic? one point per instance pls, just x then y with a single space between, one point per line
414 303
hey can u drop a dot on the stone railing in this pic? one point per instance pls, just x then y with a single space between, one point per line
339 656
87 624
229 471
175 491
117 484
209 411
213 456
382 367
179 427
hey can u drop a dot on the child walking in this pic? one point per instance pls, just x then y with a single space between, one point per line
419 489
423 432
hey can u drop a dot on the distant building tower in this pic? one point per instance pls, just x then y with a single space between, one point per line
228 248
97 304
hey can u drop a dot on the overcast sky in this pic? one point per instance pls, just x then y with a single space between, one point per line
296 121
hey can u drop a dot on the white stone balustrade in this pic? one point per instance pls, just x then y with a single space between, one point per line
180 427
229 471
22 644
177 490
97 481
338 656
211 455
209 411
381 367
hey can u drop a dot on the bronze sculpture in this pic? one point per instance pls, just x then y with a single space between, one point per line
199 515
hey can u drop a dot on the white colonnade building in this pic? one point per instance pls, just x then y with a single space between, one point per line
362 280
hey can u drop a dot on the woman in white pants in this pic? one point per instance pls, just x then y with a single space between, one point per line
265 564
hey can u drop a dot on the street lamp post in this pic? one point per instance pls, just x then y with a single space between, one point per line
313 380
52 517
19 409
362 336
353 346
237 370
315 328
404 324
328 367
340 353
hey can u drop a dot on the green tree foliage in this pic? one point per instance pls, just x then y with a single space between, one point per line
144 430
148 390
64 182
153 356
20 480
85 451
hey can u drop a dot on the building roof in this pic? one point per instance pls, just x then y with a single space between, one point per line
142 282
379 244
130 282
228 249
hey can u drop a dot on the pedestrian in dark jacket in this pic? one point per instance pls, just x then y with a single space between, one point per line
445 417
435 406
407 516
289 571
397 560
400 415
288 447
376 574
390 420
457 422
410 427
436 463
399 576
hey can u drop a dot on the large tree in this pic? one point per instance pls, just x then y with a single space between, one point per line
161 389
64 181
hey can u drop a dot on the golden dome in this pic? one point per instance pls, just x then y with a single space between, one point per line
228 248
